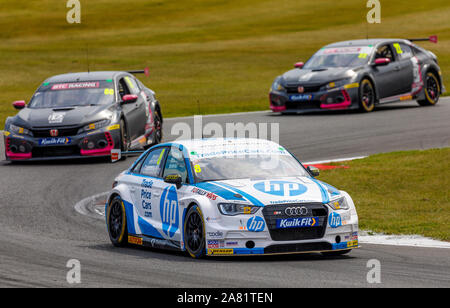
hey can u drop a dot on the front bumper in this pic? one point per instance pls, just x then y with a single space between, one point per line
335 99
229 236
98 143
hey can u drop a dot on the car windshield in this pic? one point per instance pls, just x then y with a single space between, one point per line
261 166
60 95
340 57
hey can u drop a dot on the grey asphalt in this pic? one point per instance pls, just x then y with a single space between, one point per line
41 231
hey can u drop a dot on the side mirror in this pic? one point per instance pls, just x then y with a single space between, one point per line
19 104
313 171
129 98
382 61
174 179
299 65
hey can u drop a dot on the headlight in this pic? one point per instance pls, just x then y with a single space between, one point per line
97 125
277 86
336 84
19 130
233 209
338 204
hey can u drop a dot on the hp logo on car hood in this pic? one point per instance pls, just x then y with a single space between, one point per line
281 188
169 211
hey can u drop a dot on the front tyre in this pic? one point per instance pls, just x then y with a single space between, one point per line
432 90
157 122
366 96
194 233
116 218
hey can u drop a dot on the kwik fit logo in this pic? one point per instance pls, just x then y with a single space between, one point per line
298 222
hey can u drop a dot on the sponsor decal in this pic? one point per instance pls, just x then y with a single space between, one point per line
213 244
77 85
114 127
281 188
56 117
146 198
352 244
169 211
297 222
135 240
6 133
147 183
231 243
205 193
300 97
216 234
220 251
212 219
256 224
335 220
55 141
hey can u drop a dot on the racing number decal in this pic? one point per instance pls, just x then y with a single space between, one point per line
197 169
109 92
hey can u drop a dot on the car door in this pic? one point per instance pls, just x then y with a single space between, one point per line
134 112
147 189
386 76
405 74
170 209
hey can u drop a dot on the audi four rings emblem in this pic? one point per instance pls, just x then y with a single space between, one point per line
296 211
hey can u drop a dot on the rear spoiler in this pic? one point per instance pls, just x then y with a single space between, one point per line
117 155
432 39
145 71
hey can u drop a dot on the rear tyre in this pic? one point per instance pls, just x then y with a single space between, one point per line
366 96
117 222
432 90
194 233
336 253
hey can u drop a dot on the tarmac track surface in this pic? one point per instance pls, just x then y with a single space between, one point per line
41 231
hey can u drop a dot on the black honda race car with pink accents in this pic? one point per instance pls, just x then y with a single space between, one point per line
84 115
360 74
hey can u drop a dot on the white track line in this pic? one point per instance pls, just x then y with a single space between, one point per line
334 160
402 240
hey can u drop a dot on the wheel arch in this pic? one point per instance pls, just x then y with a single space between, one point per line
372 80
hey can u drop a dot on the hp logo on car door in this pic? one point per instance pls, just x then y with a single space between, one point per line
169 211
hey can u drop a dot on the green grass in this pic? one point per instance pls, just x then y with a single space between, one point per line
207 56
400 192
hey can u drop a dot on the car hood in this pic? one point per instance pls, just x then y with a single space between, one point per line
275 191
48 117
306 76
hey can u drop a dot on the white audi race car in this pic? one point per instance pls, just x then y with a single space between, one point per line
221 197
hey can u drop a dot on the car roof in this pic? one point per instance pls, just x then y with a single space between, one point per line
84 76
365 42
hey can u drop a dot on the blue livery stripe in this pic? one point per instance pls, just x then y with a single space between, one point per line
250 198
323 191
219 190
148 229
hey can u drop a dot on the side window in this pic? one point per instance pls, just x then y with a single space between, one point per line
403 51
123 88
153 163
132 85
385 51
175 164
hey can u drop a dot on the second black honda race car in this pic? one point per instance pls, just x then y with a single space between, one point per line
84 115
359 74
